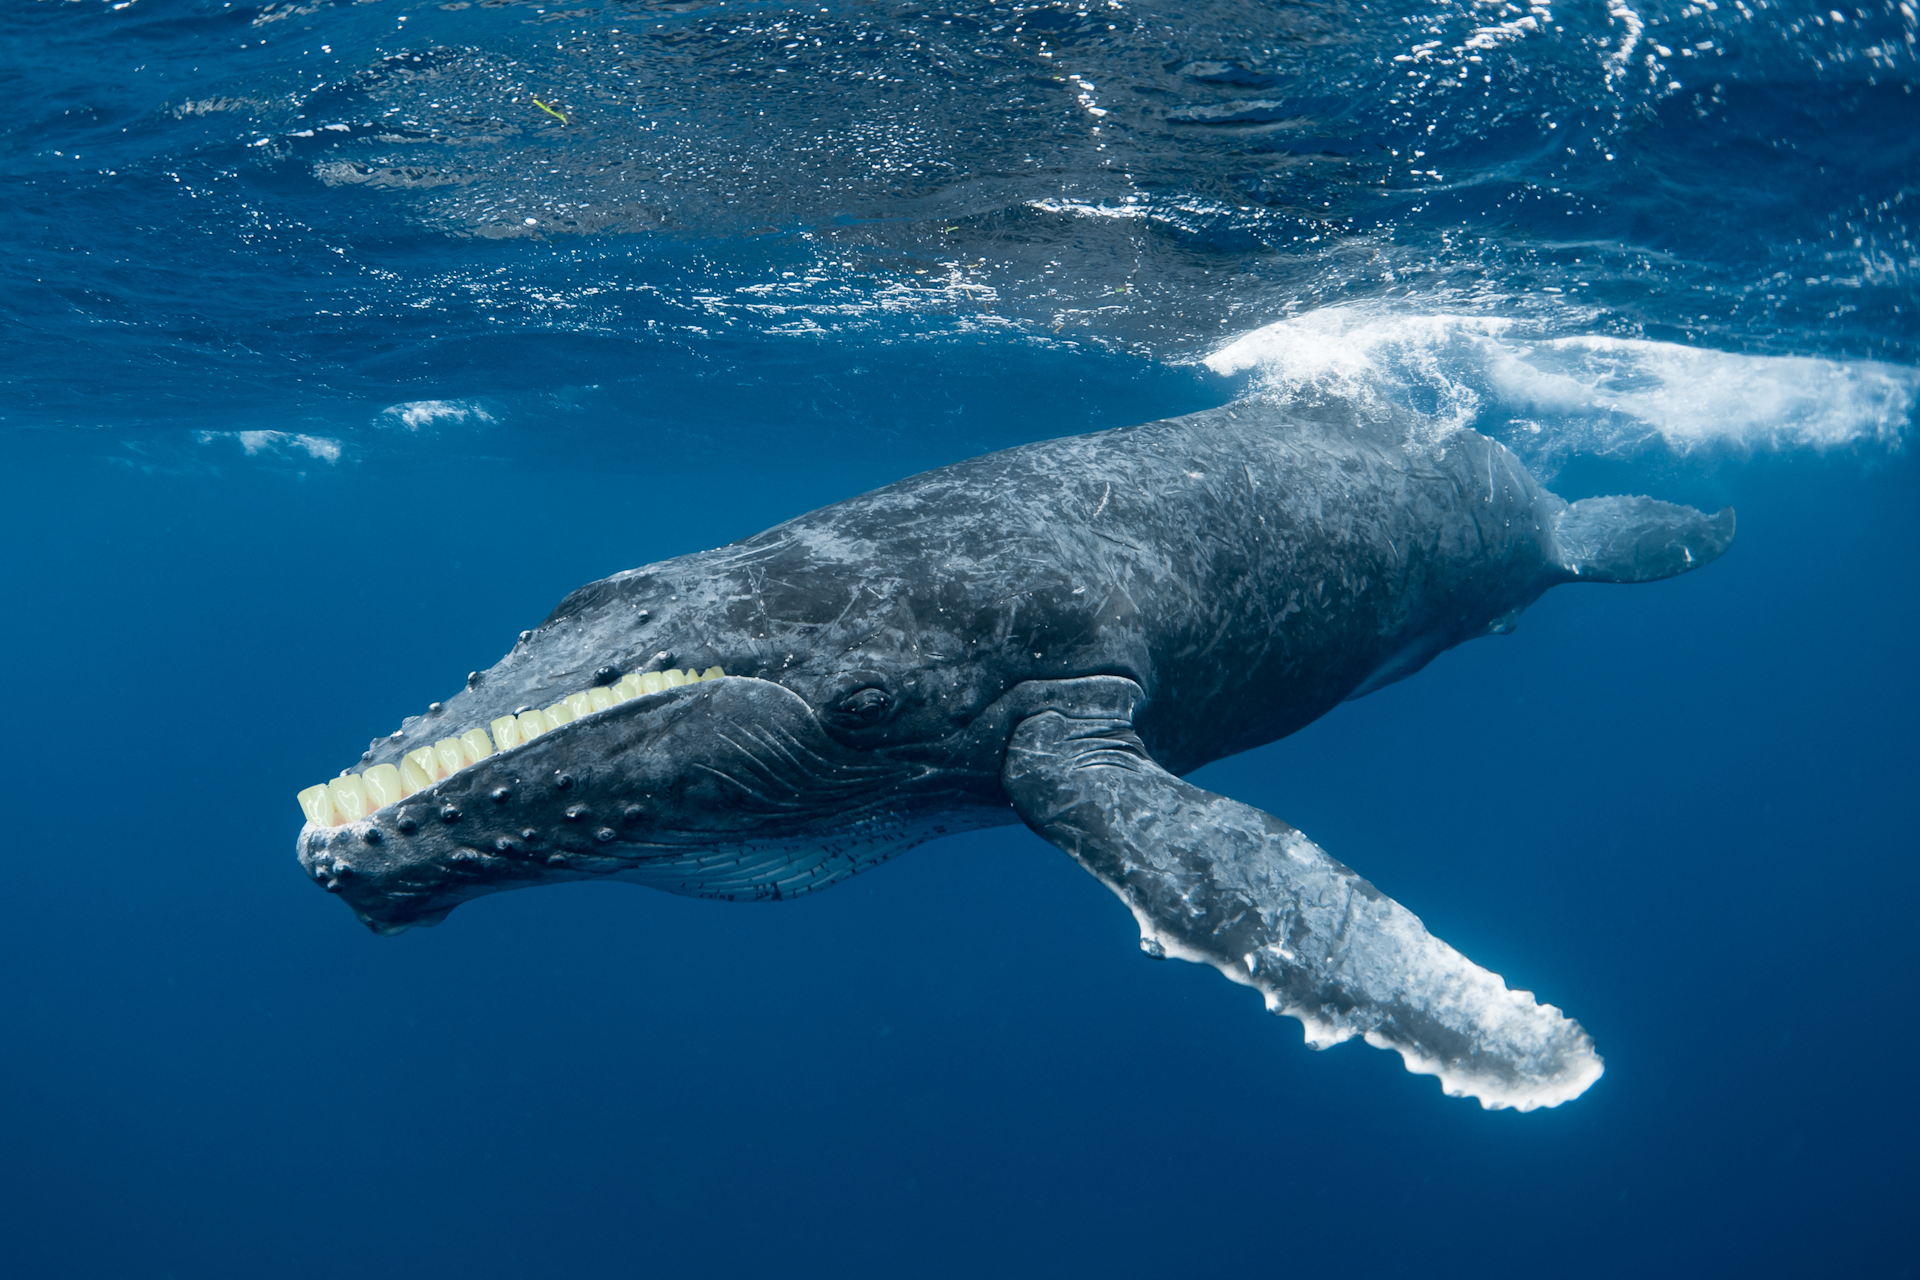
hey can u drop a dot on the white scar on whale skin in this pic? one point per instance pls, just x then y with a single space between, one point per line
354 796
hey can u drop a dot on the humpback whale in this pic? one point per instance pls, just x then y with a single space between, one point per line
1050 634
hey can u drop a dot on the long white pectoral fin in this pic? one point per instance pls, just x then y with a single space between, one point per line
1220 882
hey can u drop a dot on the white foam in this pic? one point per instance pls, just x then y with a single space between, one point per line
1692 396
1591 394
255 443
1618 11
1085 209
415 414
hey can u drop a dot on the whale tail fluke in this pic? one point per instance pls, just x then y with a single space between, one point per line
1630 539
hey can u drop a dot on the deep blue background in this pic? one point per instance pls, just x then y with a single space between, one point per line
1682 812
1679 811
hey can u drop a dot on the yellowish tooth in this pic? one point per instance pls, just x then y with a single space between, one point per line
560 713
712 673
451 754
428 763
478 745
602 698
533 724
675 678
317 804
506 733
627 687
349 796
652 682
580 704
413 775
383 786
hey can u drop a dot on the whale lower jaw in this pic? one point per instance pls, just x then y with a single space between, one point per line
770 870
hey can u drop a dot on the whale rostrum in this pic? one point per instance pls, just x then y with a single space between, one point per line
1051 634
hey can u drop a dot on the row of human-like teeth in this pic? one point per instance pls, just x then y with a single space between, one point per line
353 796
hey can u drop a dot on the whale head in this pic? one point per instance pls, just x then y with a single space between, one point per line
730 724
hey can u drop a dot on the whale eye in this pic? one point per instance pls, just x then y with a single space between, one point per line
865 706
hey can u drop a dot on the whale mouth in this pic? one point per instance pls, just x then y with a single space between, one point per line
734 787
354 796
725 786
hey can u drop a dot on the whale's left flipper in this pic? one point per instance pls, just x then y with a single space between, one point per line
1220 882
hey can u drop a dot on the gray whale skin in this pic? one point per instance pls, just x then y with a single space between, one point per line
1051 634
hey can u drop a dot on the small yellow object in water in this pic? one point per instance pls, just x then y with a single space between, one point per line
549 110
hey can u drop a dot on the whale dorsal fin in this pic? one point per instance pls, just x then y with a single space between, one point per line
1623 539
1222 883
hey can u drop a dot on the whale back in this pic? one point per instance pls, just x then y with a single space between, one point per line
1248 566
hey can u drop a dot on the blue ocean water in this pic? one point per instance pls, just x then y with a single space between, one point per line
344 339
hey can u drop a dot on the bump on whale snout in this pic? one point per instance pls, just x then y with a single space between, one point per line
1637 539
